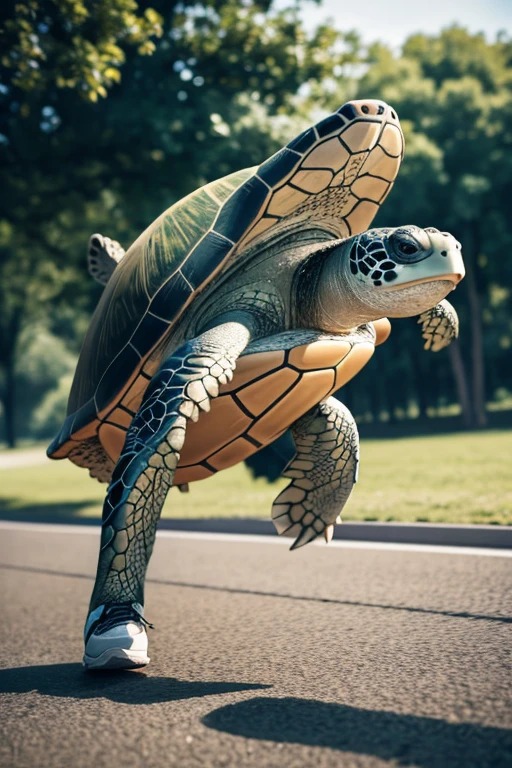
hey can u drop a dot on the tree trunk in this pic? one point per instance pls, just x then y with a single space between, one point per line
8 340
461 382
421 393
8 399
477 344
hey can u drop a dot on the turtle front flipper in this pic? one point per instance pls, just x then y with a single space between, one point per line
439 326
184 385
324 471
103 256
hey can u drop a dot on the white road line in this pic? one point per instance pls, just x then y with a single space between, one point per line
252 539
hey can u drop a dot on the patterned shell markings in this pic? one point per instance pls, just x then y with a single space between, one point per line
333 176
137 292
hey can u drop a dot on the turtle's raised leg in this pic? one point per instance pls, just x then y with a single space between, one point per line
103 256
323 473
183 387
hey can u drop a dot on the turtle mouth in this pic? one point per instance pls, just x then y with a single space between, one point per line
452 277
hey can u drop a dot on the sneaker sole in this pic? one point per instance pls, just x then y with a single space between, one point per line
117 658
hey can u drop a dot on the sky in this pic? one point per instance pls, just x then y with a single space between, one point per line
391 21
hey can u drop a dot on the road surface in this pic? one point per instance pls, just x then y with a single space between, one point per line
330 656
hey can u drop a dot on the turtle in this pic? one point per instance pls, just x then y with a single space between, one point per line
233 318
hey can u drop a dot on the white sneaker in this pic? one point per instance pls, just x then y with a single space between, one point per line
115 637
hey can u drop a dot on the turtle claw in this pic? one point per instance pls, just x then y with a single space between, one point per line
329 533
306 535
293 517
194 415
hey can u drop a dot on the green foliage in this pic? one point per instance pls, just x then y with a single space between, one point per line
42 362
43 358
453 93
214 97
47 418
227 84
73 44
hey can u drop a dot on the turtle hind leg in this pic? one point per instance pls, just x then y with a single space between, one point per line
103 256
184 386
323 473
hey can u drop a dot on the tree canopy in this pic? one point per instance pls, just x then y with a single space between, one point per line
111 111
453 93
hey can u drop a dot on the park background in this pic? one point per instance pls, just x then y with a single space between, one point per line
112 110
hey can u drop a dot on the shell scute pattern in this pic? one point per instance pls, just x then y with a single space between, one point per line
328 171
303 141
195 238
148 279
330 155
211 251
269 391
329 125
337 184
361 137
238 212
278 166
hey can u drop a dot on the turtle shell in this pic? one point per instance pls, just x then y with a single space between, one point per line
269 392
332 178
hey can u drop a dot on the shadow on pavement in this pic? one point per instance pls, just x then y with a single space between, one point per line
420 741
65 512
73 682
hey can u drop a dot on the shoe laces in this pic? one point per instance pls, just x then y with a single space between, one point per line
120 613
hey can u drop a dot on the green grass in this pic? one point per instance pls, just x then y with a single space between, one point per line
456 478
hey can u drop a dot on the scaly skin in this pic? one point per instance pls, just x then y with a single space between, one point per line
335 294
323 473
439 326
144 473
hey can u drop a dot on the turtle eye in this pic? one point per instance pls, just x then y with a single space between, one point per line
406 248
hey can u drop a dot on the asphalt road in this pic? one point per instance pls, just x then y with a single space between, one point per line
329 656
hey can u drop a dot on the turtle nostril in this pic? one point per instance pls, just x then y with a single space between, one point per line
444 253
365 109
393 115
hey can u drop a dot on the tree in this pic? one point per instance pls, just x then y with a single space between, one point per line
71 44
111 111
49 47
100 136
453 93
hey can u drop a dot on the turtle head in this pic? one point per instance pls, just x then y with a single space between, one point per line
397 272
